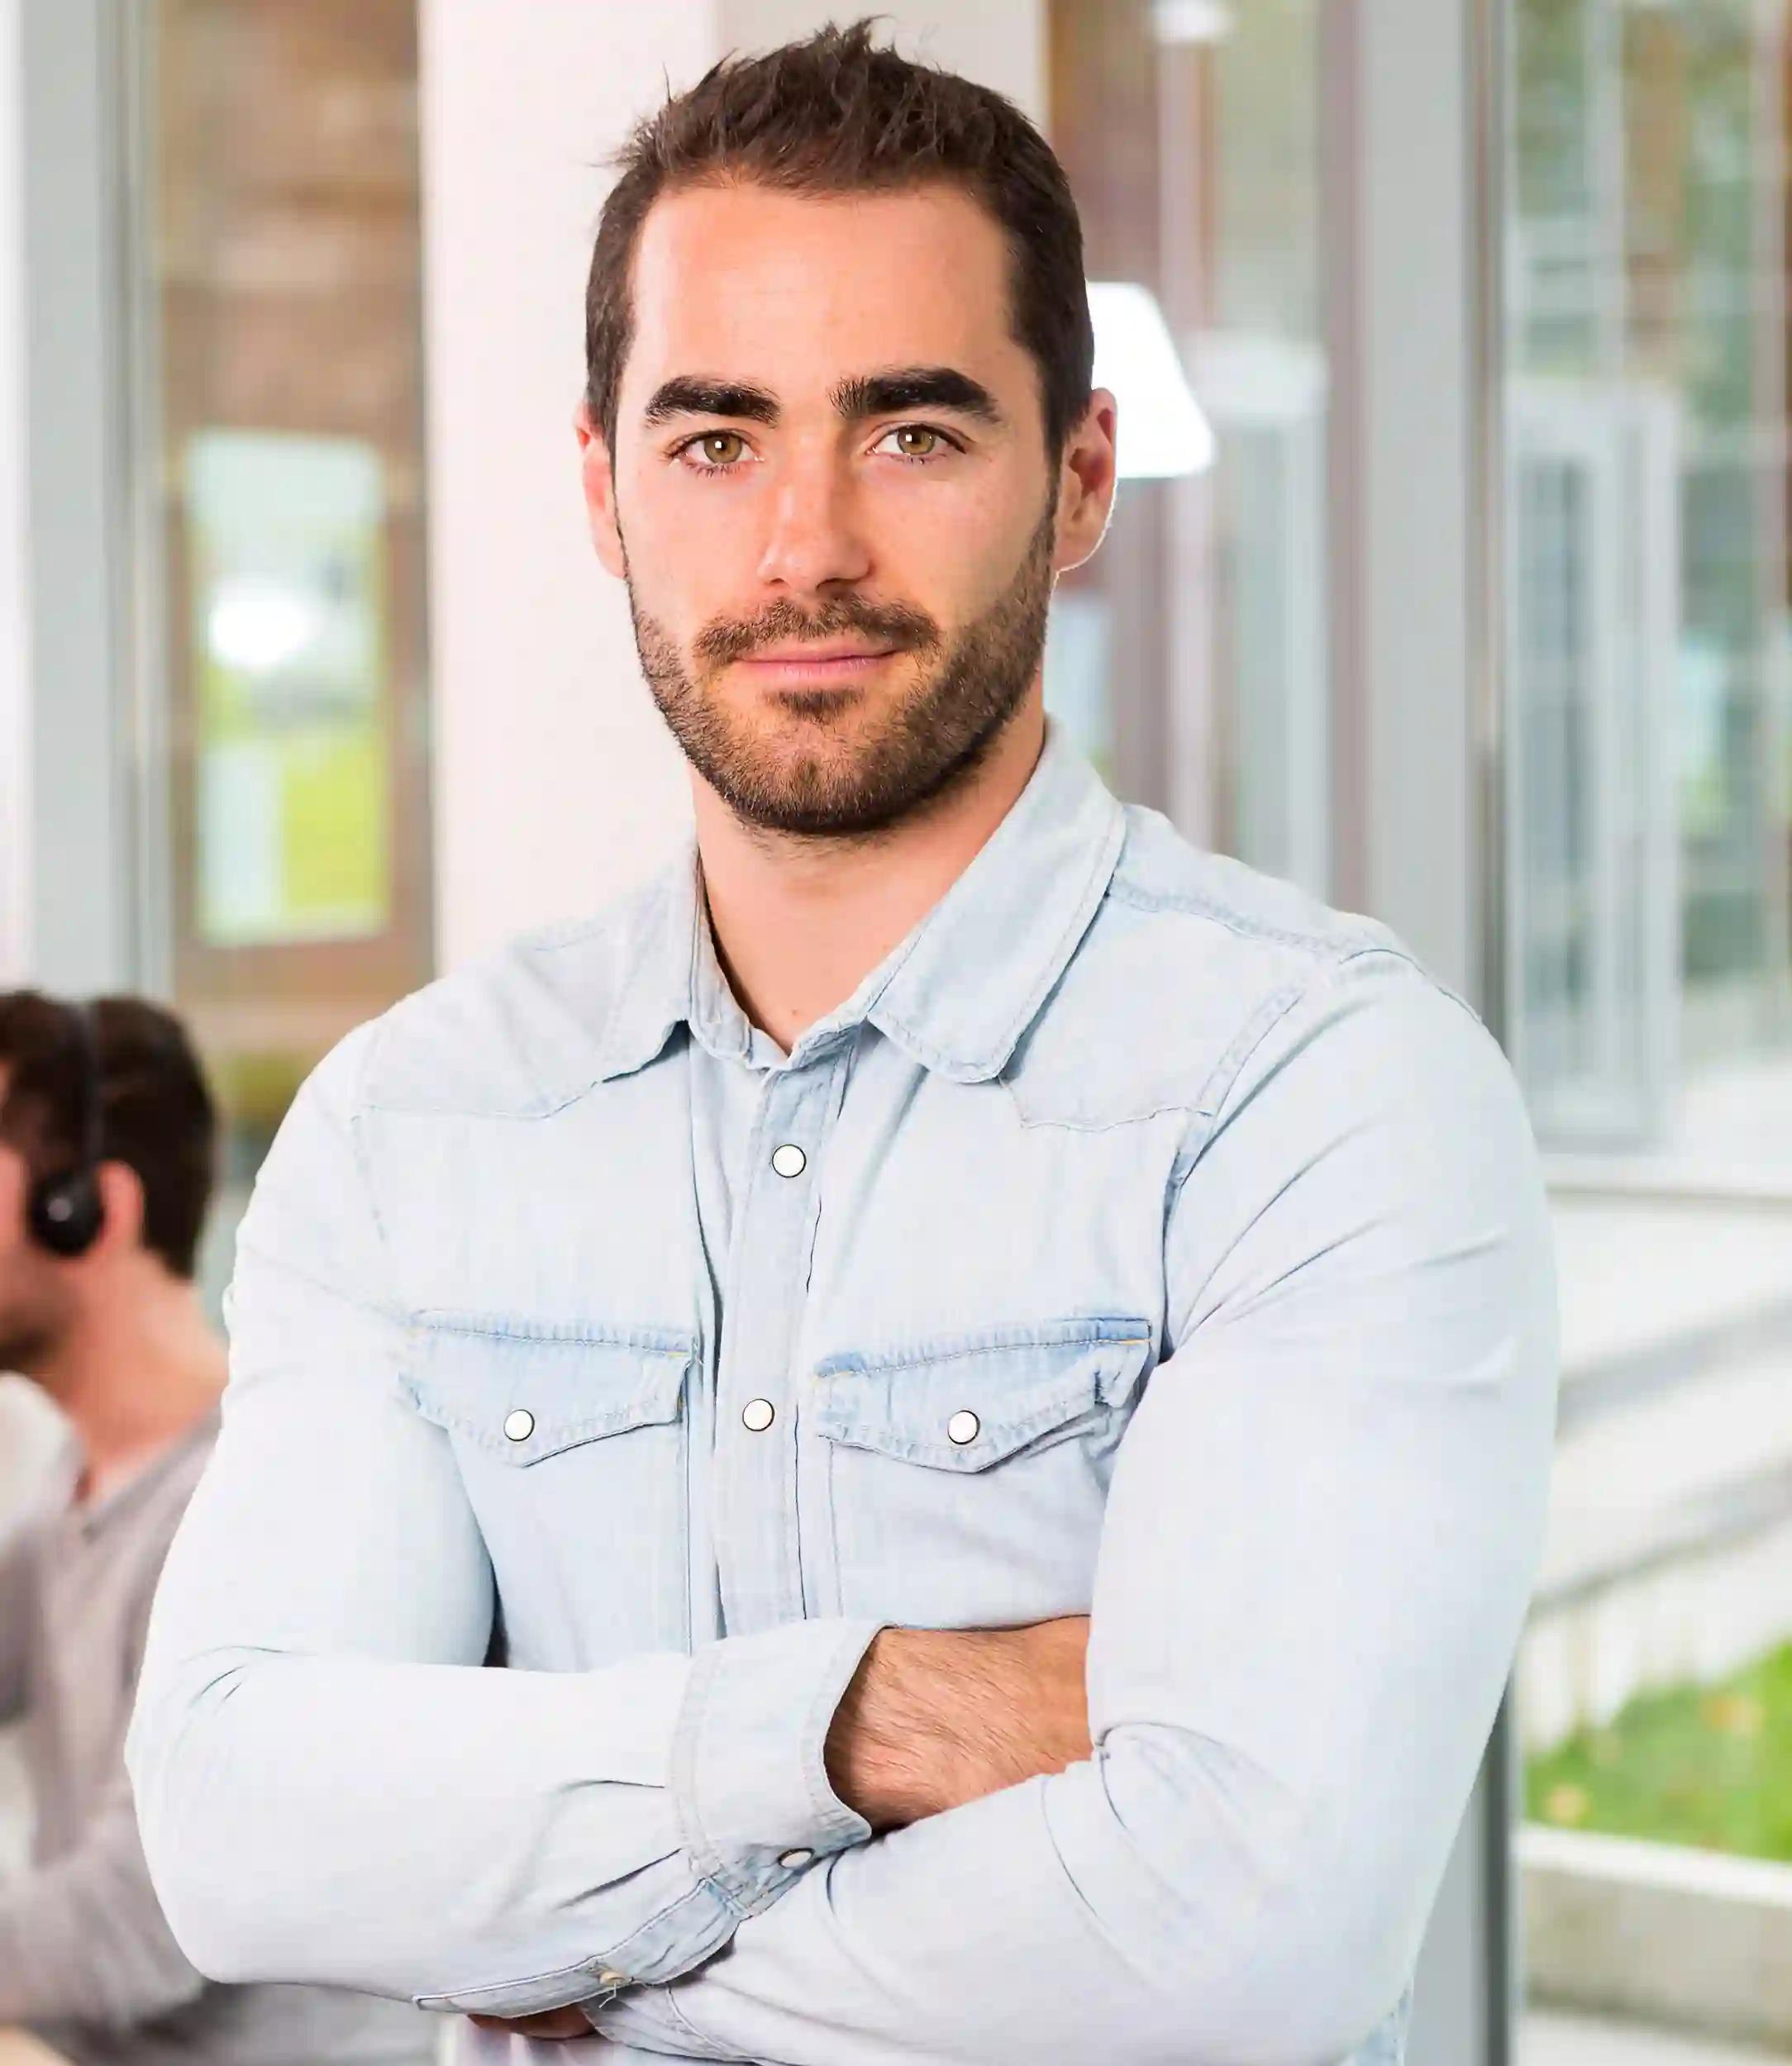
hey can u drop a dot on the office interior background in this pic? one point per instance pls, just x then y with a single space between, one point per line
1451 577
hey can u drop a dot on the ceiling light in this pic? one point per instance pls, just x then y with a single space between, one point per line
1162 432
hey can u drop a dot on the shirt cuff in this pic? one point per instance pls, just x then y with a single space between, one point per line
749 1779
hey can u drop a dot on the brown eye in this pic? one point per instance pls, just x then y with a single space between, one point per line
908 433
728 441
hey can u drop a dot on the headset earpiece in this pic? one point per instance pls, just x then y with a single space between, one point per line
64 1211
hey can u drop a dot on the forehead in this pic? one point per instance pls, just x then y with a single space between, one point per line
794 289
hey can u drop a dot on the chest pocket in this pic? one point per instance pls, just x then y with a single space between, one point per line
967 1476
571 1440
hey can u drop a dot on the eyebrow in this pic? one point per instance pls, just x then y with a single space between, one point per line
862 395
916 388
688 394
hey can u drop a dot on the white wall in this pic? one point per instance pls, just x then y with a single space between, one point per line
15 613
1002 43
27 1427
555 783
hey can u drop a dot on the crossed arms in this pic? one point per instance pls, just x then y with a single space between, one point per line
1320 1540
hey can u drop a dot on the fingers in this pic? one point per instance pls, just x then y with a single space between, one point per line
556 2023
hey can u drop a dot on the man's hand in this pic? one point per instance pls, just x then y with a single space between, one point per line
934 1718
555 2023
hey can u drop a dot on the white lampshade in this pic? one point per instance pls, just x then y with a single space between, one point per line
1192 21
1162 430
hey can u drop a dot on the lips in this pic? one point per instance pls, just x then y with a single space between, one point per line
811 655
810 670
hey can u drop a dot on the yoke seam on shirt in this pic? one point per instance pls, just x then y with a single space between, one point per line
357 1109
1102 1124
1271 1013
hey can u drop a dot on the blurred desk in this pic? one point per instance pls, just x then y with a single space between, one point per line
17 2049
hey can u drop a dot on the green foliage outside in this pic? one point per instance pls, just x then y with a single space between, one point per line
1703 1765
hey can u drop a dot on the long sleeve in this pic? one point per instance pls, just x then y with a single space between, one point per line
83 1939
1320 1540
331 1787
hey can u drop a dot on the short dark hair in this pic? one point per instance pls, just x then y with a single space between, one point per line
836 114
156 1111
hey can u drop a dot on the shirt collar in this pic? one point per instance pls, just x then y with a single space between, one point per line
957 993
95 1516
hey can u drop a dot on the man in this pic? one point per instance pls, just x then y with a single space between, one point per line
107 1136
941 1206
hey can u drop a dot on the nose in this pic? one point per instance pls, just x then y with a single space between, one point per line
816 537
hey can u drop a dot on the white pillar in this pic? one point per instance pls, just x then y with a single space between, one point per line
26 1427
1414 204
998 43
555 783
15 580
1415 214
69 907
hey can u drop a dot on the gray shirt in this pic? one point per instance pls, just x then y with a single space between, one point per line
86 1959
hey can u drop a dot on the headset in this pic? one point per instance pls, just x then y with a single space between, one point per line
64 1211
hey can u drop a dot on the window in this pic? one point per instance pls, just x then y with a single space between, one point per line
286 880
1191 654
1650 811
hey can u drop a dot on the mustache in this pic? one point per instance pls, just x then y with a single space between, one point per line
897 625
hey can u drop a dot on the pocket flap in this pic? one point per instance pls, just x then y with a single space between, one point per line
526 1389
964 1404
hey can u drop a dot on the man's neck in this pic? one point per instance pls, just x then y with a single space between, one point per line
132 1376
799 923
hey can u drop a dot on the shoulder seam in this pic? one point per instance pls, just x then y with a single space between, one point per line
359 1105
1256 1030
1323 944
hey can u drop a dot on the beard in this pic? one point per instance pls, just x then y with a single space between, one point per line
926 745
27 1341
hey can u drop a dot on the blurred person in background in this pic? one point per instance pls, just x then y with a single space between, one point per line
987 1375
108 1139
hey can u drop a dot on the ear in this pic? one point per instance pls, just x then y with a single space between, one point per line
121 1195
597 477
1086 483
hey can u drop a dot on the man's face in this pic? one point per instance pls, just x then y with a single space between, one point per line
831 499
34 1311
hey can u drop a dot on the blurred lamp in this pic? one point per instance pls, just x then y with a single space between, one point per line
1192 20
1162 430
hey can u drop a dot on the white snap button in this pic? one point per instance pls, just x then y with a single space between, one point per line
794 1861
964 1427
758 1414
520 1424
607 1978
790 1160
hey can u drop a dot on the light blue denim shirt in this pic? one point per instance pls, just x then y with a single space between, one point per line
1142 1238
